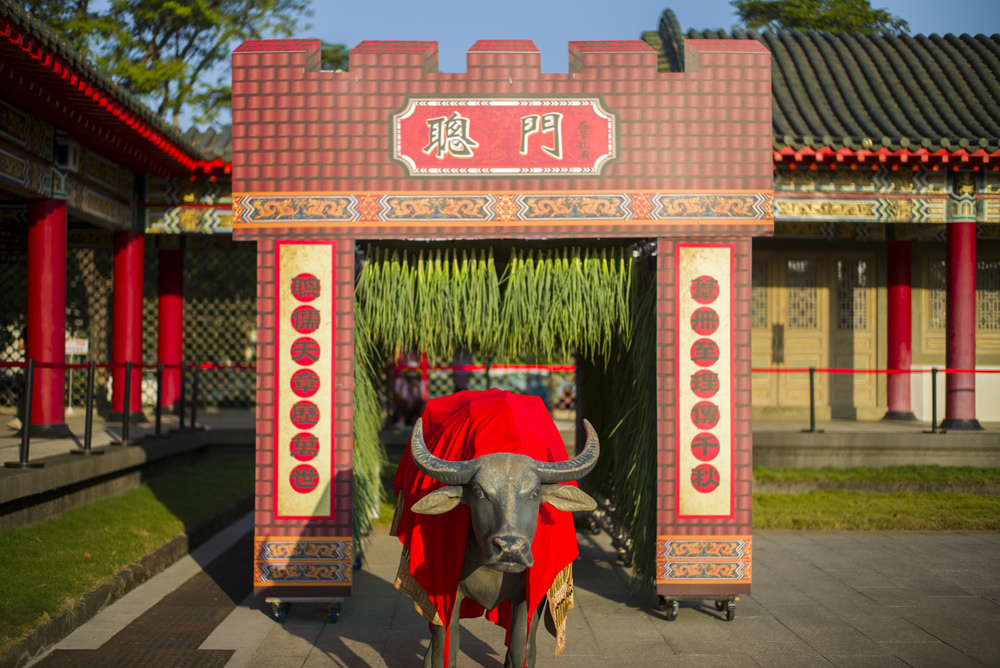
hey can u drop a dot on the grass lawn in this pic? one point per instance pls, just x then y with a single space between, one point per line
48 567
934 475
869 511
833 510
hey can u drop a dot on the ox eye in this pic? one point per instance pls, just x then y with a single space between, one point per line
534 493
477 492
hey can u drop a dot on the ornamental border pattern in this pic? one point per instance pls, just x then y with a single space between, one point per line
185 220
901 209
409 209
289 561
685 559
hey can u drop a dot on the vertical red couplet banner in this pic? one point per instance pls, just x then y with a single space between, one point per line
705 408
304 404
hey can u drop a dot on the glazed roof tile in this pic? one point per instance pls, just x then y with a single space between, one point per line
854 92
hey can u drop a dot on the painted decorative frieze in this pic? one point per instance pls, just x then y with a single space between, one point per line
684 560
414 209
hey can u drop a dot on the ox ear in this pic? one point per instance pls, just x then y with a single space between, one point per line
439 501
567 497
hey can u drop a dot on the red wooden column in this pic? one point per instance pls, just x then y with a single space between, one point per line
899 336
46 334
126 331
170 332
960 352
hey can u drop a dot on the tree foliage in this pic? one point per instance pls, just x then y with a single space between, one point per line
333 56
828 15
168 52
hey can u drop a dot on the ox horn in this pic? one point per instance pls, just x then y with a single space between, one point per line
576 468
443 470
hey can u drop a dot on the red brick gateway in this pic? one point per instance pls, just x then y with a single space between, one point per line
394 150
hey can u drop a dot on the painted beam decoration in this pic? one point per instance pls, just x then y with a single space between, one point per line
684 560
303 448
467 136
627 211
705 408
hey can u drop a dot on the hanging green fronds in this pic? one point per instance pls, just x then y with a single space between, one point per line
620 399
369 452
557 302
548 305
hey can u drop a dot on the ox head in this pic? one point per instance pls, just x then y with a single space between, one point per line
503 491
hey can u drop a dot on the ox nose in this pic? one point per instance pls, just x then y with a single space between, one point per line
511 544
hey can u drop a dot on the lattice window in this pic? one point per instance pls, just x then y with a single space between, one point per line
803 294
759 294
852 295
988 295
220 316
13 301
937 289
88 316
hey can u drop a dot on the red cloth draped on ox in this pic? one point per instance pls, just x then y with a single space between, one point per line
464 426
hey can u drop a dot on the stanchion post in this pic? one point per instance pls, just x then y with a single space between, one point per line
23 462
194 397
812 404
127 408
158 411
934 421
183 397
88 420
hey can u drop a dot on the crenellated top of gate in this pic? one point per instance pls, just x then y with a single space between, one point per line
393 147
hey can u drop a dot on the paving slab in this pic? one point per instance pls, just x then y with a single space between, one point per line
878 603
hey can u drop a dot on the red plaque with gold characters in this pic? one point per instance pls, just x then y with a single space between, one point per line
456 137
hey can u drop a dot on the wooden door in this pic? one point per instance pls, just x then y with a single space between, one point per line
790 314
852 334
819 310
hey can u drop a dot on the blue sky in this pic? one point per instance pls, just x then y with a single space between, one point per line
550 24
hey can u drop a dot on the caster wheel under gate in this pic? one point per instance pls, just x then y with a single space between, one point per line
670 606
280 607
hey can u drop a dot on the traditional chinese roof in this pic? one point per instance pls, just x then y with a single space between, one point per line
216 147
903 98
41 73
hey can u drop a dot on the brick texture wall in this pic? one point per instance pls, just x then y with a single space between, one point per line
299 129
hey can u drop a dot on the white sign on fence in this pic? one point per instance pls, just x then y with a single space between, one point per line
77 346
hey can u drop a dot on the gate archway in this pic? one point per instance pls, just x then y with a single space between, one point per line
511 301
610 153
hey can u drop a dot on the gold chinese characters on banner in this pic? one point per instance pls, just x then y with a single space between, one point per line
304 387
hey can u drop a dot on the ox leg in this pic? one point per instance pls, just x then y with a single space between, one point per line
521 651
434 658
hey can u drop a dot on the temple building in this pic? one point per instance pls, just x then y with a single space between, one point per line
886 246
95 190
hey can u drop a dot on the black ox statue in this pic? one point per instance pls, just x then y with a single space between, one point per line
491 532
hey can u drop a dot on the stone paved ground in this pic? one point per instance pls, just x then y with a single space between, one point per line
819 599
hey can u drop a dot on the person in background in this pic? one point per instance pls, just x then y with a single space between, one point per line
462 358
409 399
18 420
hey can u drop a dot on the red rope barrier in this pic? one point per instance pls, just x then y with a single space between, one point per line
494 367
109 365
564 368
836 370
